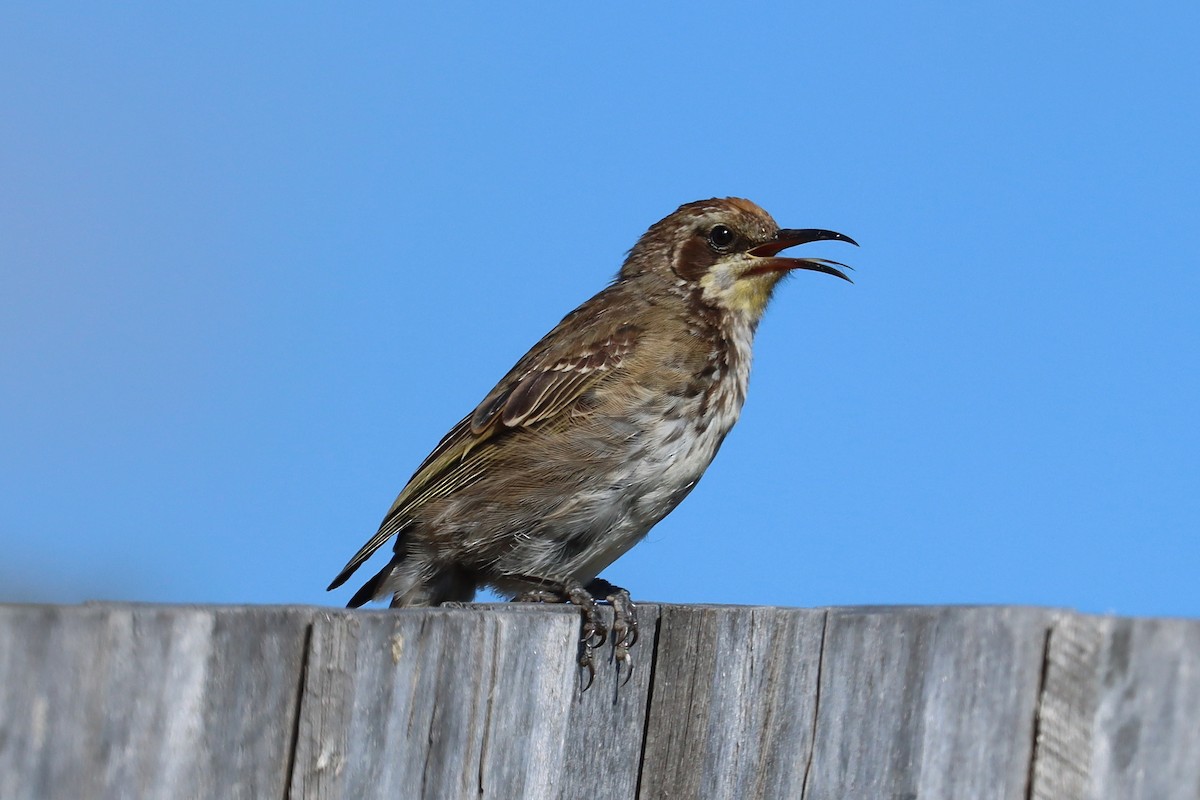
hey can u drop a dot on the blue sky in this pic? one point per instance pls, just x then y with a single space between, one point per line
255 261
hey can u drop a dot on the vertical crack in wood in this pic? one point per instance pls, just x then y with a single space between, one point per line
774 665
1037 711
812 743
637 792
487 713
293 744
1062 752
433 714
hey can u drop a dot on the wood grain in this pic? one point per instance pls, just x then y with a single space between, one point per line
118 700
927 702
733 698
145 701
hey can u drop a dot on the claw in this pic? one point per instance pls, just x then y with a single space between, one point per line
593 633
633 626
600 635
622 656
625 624
587 662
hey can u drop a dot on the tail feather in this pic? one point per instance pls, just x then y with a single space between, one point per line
342 577
414 583
392 526
370 589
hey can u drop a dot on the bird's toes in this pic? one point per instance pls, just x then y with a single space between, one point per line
587 661
622 657
593 633
625 622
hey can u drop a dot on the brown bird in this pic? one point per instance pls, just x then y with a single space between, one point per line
599 431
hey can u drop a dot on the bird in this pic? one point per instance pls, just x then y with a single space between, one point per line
598 432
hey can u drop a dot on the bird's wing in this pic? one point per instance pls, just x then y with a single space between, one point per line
552 383
545 385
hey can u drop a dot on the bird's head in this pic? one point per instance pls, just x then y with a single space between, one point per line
729 250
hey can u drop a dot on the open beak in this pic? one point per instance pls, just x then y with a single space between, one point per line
790 237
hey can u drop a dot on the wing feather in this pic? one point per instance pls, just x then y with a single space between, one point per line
540 388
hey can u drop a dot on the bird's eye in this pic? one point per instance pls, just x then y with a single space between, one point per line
720 237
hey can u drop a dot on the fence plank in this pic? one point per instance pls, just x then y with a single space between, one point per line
733 700
1147 727
1067 708
482 701
119 701
603 753
927 702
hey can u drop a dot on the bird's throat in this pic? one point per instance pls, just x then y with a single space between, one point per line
746 297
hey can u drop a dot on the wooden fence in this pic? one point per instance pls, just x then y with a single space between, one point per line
143 701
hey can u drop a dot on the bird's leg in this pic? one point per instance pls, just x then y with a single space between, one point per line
593 633
625 625
538 596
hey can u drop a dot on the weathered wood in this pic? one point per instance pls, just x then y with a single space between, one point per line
481 702
1067 709
603 753
927 702
441 703
1120 712
147 701
1148 715
734 695
484 701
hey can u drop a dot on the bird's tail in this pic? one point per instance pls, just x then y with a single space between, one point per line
414 584
371 588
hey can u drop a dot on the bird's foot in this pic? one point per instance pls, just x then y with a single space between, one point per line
538 596
625 624
593 634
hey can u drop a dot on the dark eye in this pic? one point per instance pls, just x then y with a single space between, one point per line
720 237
